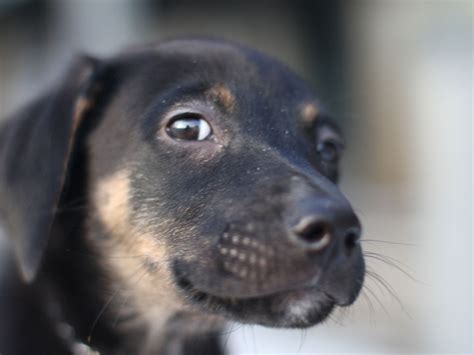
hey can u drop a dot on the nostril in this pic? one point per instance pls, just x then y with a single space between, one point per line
314 233
352 238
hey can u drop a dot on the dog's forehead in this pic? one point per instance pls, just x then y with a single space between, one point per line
226 60
229 70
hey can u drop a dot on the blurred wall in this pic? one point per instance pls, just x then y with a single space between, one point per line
398 74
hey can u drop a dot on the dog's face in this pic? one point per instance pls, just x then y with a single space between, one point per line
216 166
209 172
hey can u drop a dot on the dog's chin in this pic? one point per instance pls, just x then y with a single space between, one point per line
301 308
290 309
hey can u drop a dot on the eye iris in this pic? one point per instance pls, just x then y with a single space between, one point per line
186 129
328 151
190 129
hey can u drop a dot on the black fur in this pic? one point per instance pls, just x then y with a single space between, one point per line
258 176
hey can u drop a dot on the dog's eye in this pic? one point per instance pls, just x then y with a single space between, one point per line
329 151
189 127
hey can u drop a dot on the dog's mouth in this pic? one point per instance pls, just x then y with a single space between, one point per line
292 308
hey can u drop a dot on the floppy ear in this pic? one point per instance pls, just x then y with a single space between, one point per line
35 149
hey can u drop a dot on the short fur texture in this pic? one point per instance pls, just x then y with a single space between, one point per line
131 242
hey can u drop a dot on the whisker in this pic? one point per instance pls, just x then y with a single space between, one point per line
105 306
233 330
392 262
302 339
228 333
72 209
89 255
389 289
127 299
333 318
370 305
388 242
254 341
78 200
377 299
343 313
371 271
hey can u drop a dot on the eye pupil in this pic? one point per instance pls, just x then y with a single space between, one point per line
189 129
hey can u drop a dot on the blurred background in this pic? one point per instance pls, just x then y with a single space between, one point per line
398 77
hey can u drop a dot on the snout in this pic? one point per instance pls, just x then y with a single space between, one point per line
310 241
323 229
286 259
327 230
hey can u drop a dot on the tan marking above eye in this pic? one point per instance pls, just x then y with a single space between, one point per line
309 113
223 96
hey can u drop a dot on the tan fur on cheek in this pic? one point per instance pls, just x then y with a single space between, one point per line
135 258
111 202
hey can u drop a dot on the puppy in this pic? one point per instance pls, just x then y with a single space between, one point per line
151 196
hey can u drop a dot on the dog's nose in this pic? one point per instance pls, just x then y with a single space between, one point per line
327 227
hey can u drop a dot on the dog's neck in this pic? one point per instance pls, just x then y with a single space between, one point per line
88 316
183 334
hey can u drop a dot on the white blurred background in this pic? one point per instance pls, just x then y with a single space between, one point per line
398 74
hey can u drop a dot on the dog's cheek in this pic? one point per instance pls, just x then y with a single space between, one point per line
135 259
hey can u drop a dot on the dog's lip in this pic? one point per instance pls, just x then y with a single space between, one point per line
186 282
189 278
237 308
197 294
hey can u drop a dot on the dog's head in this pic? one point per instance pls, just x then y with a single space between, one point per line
211 176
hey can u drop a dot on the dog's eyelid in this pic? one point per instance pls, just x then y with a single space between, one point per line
326 131
184 115
183 111
195 108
